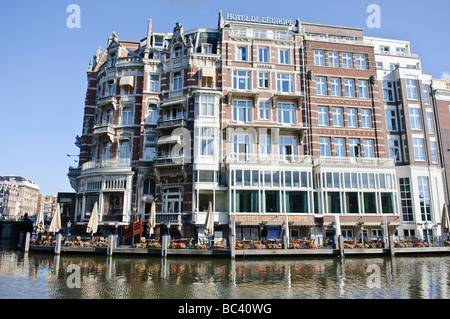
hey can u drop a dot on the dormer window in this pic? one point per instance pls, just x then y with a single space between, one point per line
112 60
178 51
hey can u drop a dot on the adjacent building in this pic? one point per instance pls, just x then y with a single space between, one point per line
282 127
19 197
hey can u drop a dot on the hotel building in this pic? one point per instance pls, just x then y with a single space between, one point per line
279 125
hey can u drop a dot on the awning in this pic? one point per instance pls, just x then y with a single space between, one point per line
127 80
169 139
208 72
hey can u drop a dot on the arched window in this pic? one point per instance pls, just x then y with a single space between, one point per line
149 187
178 51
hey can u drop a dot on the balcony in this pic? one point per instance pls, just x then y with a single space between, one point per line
269 159
171 123
354 161
103 129
115 163
170 161
174 219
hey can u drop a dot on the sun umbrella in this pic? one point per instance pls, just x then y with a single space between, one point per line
93 221
39 222
445 223
55 225
152 219
209 225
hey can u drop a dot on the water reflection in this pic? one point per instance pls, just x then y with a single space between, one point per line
35 275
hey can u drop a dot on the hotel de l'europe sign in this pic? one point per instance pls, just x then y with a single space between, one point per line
263 20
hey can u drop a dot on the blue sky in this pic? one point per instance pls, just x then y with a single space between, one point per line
43 80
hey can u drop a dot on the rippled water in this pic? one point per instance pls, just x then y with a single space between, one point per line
44 276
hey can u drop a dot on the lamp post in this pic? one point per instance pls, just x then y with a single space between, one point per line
116 224
168 228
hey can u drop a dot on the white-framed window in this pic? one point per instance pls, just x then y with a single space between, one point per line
124 150
430 122
354 147
319 58
260 33
411 90
393 66
242 111
388 91
263 55
127 116
400 51
379 65
112 60
264 111
391 120
111 88
347 60
206 141
352 117
321 84
426 94
433 152
285 83
368 149
108 117
106 151
366 118
286 113
205 105
177 83
264 145
323 115
333 59
242 146
424 198
241 53
339 147
263 80
414 117
338 116
394 149
349 88
241 80
361 61
178 51
153 83
288 147
206 48
324 143
419 152
363 89
152 114
335 86
284 56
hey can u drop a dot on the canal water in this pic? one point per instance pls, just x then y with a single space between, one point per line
45 276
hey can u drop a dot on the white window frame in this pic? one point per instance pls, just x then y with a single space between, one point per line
366 118
419 150
321 86
349 88
335 86
282 80
352 117
414 117
333 59
319 58
338 116
347 60
245 77
285 56
323 116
